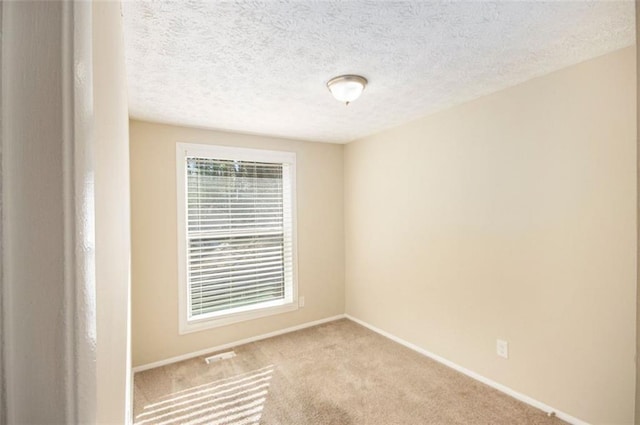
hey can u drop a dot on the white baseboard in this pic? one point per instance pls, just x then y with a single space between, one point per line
234 344
519 396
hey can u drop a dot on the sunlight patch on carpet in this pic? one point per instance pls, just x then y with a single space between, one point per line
232 401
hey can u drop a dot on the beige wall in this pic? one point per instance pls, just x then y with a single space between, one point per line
113 246
512 217
637 412
154 233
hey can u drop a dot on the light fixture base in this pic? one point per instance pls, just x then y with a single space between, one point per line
347 88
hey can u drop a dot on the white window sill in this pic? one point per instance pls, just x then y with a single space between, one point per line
189 326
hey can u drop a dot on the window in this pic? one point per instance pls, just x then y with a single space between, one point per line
236 234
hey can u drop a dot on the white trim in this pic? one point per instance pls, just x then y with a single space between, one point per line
518 396
290 303
234 153
231 318
235 343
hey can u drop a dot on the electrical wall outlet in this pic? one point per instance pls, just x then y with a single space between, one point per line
300 301
502 348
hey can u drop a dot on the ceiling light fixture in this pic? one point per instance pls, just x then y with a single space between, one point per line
347 88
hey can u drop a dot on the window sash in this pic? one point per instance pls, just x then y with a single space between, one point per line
238 227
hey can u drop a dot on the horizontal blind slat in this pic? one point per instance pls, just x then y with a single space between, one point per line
238 301
202 255
212 279
237 230
216 293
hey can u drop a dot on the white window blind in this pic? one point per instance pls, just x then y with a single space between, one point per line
239 235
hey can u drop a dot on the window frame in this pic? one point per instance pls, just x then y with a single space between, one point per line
184 150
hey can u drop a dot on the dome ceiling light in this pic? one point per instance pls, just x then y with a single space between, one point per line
347 88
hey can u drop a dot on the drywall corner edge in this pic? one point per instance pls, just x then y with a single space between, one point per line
46 73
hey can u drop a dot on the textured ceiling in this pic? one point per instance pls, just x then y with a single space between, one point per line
261 66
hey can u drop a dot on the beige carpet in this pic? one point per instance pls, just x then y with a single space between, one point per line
339 373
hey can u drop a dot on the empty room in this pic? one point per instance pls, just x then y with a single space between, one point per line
319 212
